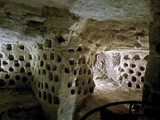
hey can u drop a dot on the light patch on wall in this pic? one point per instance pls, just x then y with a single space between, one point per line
122 10
7 35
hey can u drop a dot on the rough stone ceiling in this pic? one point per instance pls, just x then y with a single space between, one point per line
121 10
119 23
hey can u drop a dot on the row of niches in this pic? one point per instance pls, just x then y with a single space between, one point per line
17 51
51 98
132 82
132 74
80 81
12 47
57 58
135 57
16 56
81 85
81 91
15 66
55 80
46 66
50 76
50 55
133 68
18 80
50 86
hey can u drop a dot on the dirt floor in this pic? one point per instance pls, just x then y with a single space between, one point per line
19 105
107 92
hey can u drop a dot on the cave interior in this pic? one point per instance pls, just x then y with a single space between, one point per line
60 59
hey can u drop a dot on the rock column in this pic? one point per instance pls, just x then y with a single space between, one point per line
63 79
151 92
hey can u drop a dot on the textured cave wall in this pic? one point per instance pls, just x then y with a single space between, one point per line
62 80
110 35
15 66
60 48
122 45
137 11
99 66
16 57
43 54
125 67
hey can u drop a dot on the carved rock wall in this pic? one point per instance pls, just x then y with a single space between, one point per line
43 54
60 48
125 67
62 80
99 66
15 66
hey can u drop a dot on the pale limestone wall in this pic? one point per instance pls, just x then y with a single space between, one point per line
99 66
62 47
125 10
126 67
62 80
15 66
60 65
112 61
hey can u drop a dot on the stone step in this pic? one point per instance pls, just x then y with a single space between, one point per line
19 105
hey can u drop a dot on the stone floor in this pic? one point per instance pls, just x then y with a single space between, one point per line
107 92
19 105
22 105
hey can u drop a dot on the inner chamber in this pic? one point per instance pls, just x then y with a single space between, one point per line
124 67
67 60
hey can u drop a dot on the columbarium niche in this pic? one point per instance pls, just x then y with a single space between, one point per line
126 68
62 80
15 66
51 49
46 54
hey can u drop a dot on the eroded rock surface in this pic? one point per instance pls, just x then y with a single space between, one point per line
126 10
126 68
52 50
50 62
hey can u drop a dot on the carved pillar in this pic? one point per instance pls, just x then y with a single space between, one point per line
62 80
